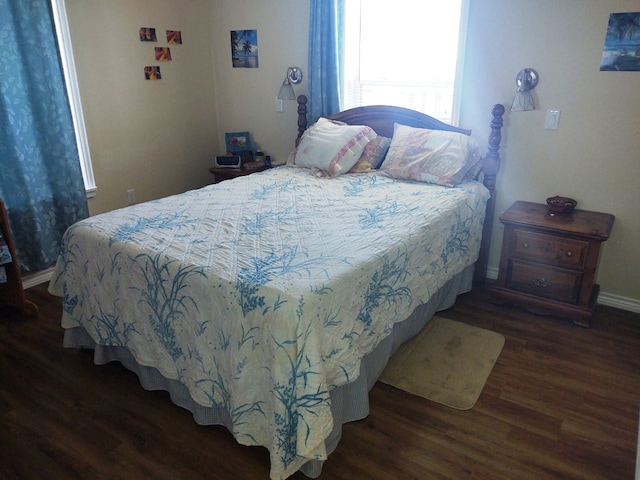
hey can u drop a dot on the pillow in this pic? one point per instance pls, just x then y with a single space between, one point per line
431 156
372 156
330 147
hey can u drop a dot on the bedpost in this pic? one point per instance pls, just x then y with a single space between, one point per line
302 117
491 165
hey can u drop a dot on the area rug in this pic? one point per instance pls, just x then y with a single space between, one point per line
448 362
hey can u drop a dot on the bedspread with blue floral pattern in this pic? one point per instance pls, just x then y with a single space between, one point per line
262 293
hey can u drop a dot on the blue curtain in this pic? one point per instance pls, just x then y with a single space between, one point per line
326 43
40 176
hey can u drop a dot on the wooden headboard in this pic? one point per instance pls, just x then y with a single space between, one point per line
382 119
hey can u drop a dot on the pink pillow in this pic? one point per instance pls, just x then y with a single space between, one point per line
431 156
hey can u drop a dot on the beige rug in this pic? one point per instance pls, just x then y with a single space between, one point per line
448 362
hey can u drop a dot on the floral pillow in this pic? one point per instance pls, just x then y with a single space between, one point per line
372 156
331 148
431 156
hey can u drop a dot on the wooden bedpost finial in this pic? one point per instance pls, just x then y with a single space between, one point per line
491 165
492 158
302 117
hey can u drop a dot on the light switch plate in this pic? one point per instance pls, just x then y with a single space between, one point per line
279 105
552 119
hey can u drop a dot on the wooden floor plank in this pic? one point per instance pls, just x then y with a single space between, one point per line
561 403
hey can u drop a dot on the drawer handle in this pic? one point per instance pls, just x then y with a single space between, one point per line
568 253
525 245
541 282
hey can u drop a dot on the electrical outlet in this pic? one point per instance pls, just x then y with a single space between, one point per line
131 196
279 105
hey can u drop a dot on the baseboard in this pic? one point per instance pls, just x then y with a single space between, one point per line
604 298
492 273
32 279
623 303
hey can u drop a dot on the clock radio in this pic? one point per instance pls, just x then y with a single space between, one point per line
228 161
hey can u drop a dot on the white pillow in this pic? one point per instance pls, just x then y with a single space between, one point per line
331 147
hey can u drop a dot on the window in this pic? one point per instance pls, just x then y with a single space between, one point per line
66 54
406 53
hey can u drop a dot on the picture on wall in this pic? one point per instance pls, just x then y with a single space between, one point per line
163 53
152 73
148 34
621 50
174 37
244 48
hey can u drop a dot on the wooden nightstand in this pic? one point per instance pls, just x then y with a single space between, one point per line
221 174
549 262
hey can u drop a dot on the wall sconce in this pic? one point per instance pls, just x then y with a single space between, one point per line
527 79
294 75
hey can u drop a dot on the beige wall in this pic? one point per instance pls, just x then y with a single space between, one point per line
592 157
246 96
156 137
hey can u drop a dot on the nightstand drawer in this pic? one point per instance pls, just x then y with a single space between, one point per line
549 282
549 248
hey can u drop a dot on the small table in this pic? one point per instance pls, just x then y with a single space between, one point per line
549 262
221 174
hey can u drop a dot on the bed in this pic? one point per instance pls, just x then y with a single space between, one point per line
271 303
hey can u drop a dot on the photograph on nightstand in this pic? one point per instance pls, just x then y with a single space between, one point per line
238 143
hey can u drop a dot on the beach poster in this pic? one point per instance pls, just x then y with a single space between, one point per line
244 48
621 50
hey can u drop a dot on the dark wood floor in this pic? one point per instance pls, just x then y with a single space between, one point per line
561 403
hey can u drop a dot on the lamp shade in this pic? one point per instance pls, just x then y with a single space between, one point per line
522 102
286 91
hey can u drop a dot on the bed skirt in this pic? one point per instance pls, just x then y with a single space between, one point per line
348 403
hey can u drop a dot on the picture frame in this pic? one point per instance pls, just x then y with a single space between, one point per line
238 143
